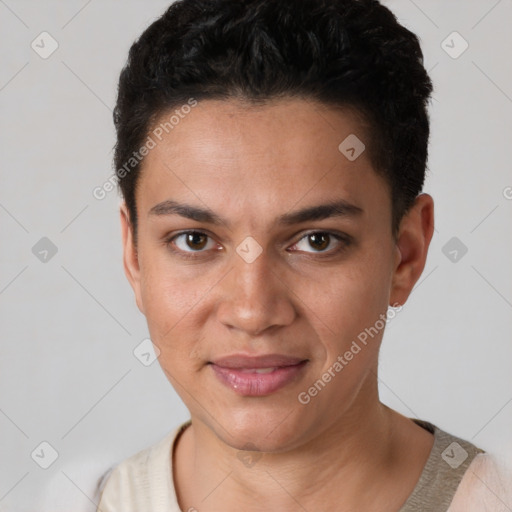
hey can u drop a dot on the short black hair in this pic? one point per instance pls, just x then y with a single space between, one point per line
347 53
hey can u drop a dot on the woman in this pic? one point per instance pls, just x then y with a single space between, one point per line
271 157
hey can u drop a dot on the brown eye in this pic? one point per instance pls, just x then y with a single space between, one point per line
319 241
192 241
196 240
322 242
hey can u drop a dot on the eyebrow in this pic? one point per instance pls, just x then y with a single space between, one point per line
338 208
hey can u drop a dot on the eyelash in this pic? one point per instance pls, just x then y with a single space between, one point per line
344 240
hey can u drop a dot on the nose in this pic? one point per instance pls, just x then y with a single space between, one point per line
254 297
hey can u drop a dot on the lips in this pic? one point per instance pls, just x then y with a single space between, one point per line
251 362
257 376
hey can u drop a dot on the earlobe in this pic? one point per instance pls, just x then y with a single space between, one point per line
130 255
413 240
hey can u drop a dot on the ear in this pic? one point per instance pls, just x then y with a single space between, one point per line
414 235
130 255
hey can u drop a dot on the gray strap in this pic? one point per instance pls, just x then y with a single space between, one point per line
449 459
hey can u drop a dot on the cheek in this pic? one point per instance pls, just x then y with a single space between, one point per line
178 307
346 304
168 299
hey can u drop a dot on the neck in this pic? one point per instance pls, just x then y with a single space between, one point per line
353 457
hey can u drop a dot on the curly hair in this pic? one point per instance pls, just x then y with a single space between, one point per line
348 53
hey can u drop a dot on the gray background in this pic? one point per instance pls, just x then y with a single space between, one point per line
69 325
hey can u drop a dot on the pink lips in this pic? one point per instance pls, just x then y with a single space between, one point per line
257 376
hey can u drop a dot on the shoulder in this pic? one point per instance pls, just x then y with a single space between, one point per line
486 486
140 480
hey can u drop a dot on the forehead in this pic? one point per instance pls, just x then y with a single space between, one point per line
276 154
231 128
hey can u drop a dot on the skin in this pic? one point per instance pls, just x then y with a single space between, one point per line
250 165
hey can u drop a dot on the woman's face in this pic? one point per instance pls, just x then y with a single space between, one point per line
256 278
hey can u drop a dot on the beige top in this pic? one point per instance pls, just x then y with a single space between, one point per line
457 477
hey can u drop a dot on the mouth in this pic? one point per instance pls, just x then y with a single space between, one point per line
258 376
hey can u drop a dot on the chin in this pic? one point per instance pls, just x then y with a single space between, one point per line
254 430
